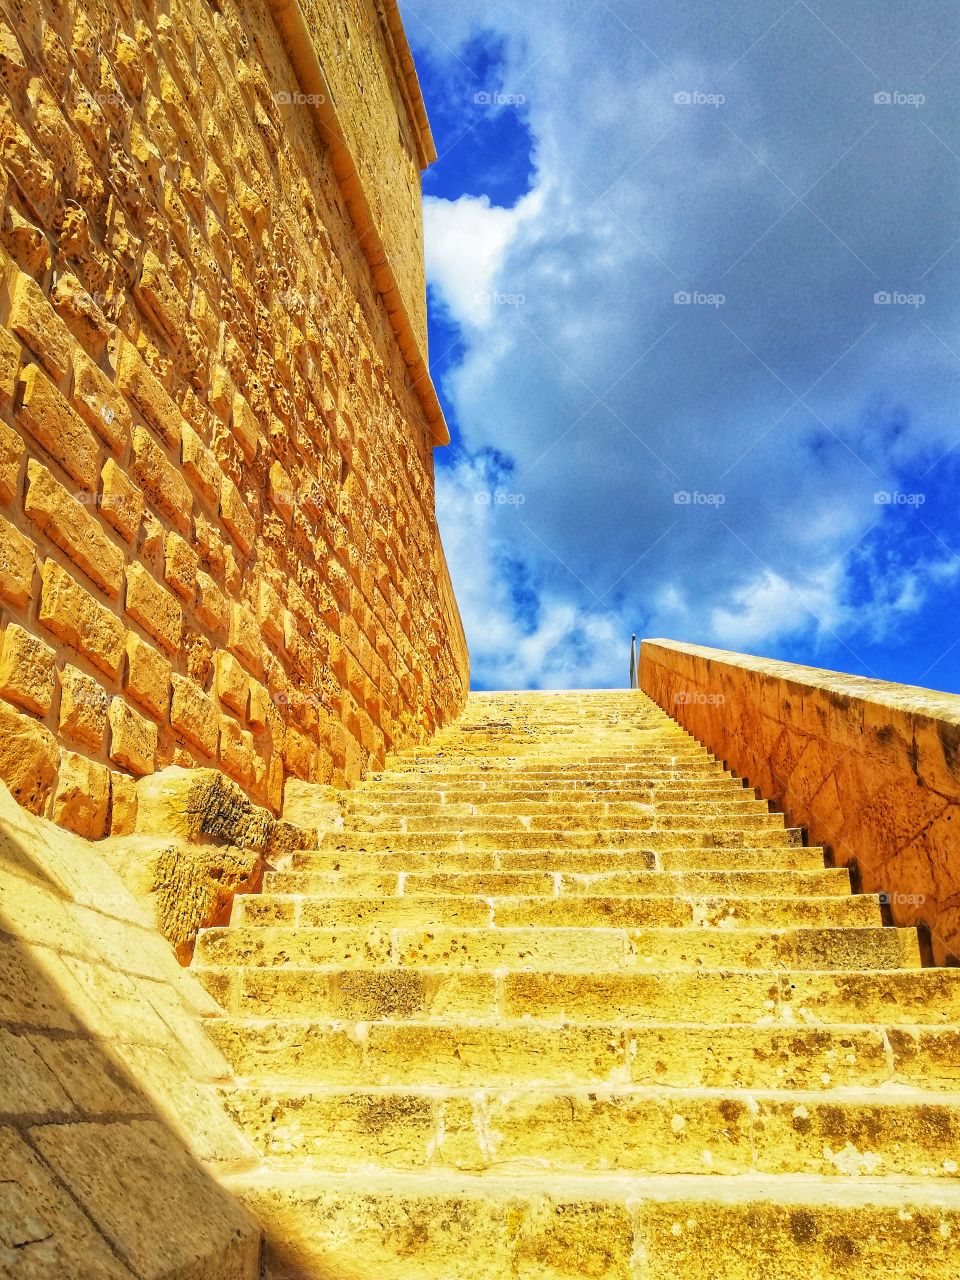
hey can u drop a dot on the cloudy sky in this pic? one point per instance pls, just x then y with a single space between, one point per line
695 320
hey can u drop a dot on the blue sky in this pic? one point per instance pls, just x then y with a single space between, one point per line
695 321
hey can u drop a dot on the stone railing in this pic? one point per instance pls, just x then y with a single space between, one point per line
872 770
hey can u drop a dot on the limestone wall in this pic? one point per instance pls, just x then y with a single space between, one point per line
112 1133
871 769
365 76
217 534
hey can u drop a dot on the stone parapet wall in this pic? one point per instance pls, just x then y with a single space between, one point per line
871 769
113 1134
217 533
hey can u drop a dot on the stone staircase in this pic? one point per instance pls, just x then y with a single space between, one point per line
564 999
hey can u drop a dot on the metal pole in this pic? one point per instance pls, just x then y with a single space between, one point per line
634 674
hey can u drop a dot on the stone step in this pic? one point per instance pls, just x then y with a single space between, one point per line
692 770
679 1055
575 949
895 1130
558 793
710 836
638 911
577 861
825 882
921 997
644 818
549 1227
727 807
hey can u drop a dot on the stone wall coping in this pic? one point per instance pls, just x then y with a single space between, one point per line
302 52
909 699
408 79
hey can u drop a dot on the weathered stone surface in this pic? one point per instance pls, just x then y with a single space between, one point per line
71 526
28 670
75 617
121 502
150 604
201 804
58 428
17 565
527 981
870 769
106 1075
97 402
33 319
83 708
194 715
218 426
82 799
133 739
29 759
148 676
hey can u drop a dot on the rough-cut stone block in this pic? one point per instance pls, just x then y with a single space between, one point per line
244 638
11 459
70 525
97 402
181 565
123 804
133 739
81 801
261 705
148 676
140 386
236 750
29 758
232 682
157 293
17 561
162 484
28 670
83 708
156 610
282 497
58 428
72 614
34 320
245 427
121 502
211 604
200 465
194 715
236 517
10 356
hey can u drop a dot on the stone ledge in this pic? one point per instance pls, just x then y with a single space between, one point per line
871 769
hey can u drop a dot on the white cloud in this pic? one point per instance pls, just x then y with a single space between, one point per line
466 243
